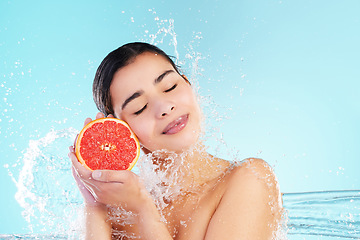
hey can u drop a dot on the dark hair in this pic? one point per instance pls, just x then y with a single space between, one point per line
115 60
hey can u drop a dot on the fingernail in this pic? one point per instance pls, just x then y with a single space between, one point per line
71 149
96 174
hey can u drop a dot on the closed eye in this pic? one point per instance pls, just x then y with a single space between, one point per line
172 88
141 110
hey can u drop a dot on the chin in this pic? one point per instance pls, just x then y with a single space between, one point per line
187 143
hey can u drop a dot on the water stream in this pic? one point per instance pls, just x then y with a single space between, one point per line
52 204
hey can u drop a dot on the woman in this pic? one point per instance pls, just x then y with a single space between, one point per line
141 85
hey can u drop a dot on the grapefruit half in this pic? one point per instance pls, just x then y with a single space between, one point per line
107 143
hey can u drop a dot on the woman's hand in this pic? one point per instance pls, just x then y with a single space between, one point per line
115 188
96 213
88 197
84 189
121 188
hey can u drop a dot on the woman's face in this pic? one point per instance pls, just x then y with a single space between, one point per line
157 103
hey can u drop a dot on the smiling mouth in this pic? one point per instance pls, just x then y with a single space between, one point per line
176 125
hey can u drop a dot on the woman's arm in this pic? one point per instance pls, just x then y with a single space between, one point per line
96 214
97 226
251 205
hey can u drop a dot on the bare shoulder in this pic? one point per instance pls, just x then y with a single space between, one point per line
253 176
252 169
250 207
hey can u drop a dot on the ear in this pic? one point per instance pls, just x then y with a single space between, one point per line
186 79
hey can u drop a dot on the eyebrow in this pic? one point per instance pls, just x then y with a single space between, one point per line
132 97
161 77
139 93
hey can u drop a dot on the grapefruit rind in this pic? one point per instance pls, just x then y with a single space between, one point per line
102 120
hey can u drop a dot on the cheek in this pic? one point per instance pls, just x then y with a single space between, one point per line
186 96
142 129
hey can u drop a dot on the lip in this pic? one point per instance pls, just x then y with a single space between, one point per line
176 125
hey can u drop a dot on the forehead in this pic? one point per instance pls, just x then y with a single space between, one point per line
144 66
138 74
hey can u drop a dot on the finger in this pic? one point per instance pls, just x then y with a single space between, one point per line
83 174
99 115
110 115
71 148
85 181
74 163
77 135
87 121
88 190
119 176
91 185
77 179
79 168
92 193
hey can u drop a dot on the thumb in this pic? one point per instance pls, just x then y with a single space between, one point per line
118 176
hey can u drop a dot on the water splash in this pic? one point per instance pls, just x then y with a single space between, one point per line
164 183
163 31
327 213
46 190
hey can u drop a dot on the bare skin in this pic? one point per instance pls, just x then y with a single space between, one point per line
233 202
218 200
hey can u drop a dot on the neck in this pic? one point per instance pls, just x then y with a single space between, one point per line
190 169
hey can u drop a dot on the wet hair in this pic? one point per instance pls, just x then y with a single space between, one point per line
114 61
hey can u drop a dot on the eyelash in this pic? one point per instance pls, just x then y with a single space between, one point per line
141 110
172 88
168 90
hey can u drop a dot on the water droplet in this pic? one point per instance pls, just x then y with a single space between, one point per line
183 223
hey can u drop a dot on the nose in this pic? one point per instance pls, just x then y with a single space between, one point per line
166 113
165 109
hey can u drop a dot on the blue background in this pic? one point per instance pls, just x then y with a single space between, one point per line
280 79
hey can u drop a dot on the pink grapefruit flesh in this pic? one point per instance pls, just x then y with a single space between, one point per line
107 143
